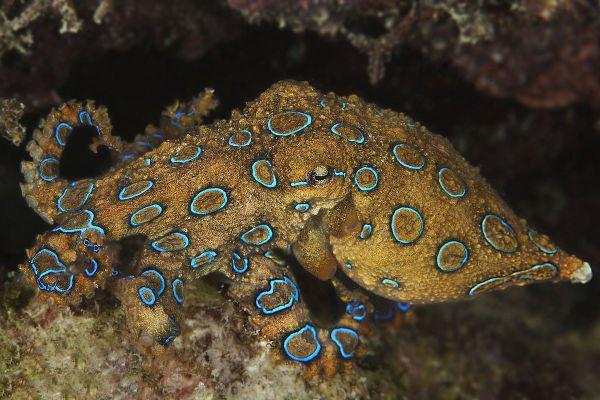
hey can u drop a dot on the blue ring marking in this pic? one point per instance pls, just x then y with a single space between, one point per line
126 157
366 231
298 183
147 296
532 269
275 258
178 116
155 205
454 195
269 185
438 262
245 235
148 161
322 103
57 133
174 328
52 254
348 265
94 264
504 278
163 283
176 160
503 223
294 297
41 164
62 269
334 130
283 134
333 335
339 173
204 191
291 336
391 283
143 143
235 258
540 247
487 281
344 105
178 294
195 263
157 135
69 186
168 340
84 114
357 310
94 246
389 313
415 212
366 188
156 246
403 306
302 207
243 144
123 197
54 287
405 164
81 231
157 273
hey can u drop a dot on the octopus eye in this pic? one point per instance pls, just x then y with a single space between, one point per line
320 175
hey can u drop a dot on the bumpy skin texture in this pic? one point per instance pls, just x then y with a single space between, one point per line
364 197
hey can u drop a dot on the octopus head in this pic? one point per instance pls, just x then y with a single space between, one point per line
314 171
433 234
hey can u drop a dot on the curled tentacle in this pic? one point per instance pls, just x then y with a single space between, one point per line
152 301
68 267
43 184
177 120
277 310
150 140
179 117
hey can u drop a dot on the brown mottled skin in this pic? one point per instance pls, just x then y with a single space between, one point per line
402 260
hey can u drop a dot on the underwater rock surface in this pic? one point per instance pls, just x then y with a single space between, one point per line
542 53
444 352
